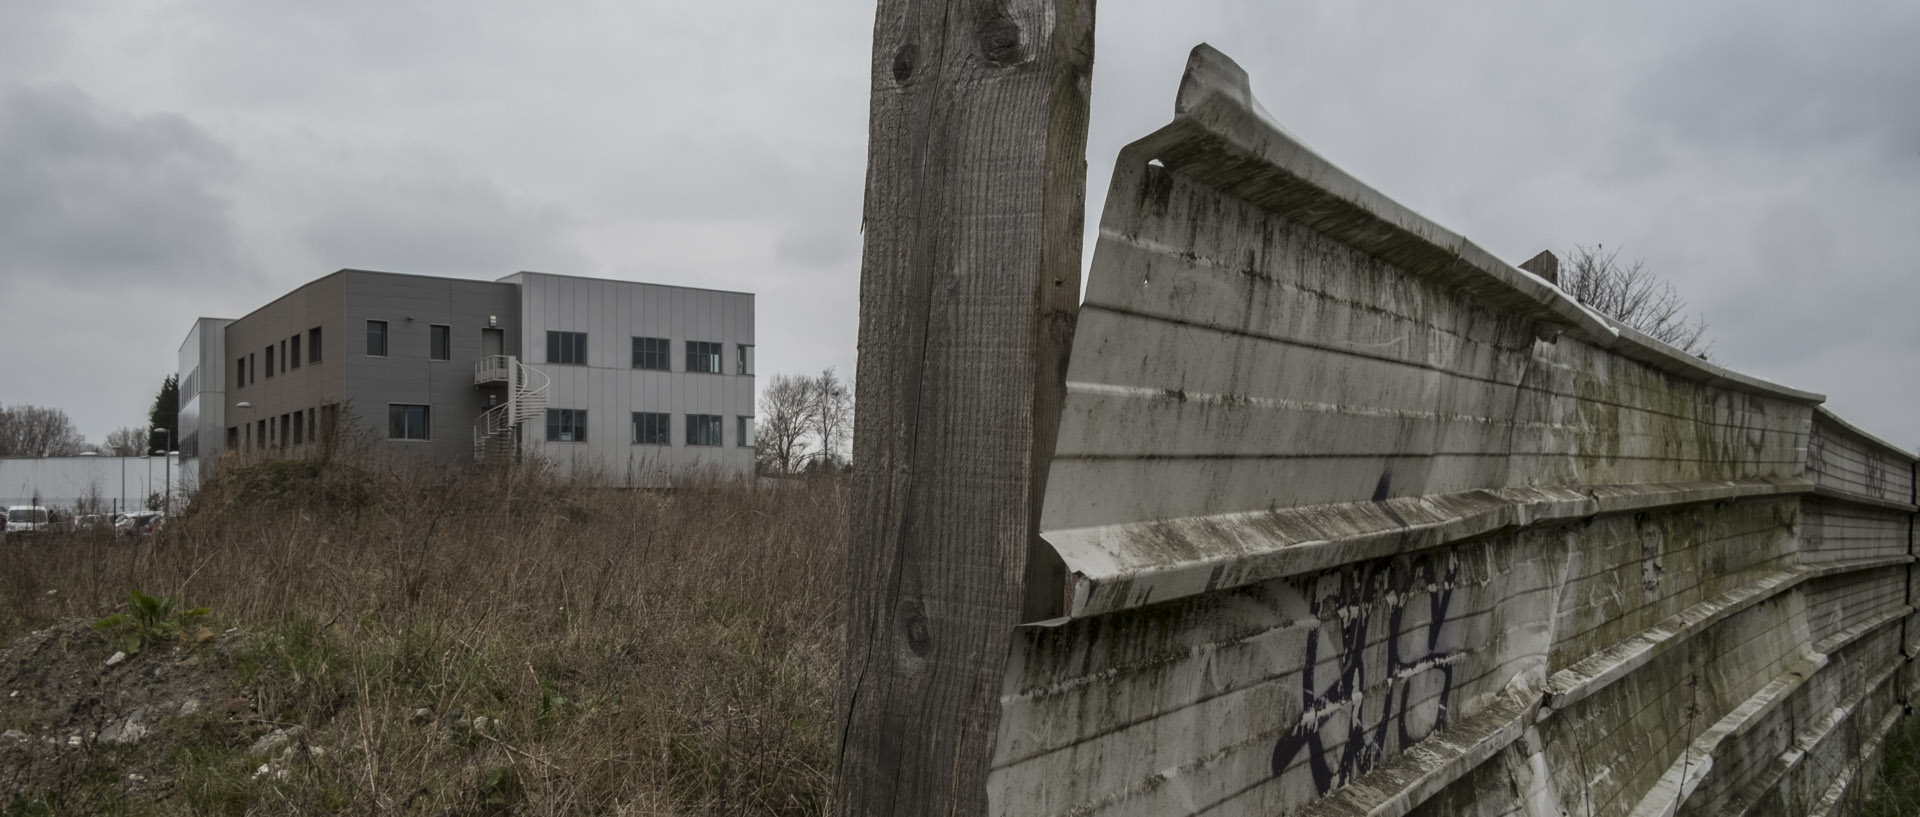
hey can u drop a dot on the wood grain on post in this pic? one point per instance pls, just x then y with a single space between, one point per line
970 279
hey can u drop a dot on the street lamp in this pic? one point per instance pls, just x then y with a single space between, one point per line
249 426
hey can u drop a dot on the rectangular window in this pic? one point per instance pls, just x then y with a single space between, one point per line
703 429
376 338
650 353
703 357
233 438
313 417
286 429
283 355
440 342
299 427
269 361
260 437
313 345
253 368
566 425
569 348
409 422
240 373
293 362
743 435
651 428
743 359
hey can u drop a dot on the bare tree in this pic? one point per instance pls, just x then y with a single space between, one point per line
126 442
830 416
37 431
1634 296
785 420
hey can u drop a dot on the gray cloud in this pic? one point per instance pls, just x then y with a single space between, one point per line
97 196
1761 155
433 221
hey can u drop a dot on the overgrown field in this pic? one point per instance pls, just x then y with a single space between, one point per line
501 642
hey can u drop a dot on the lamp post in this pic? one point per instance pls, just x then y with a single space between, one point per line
248 432
167 499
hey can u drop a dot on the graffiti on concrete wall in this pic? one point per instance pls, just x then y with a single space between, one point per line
1344 729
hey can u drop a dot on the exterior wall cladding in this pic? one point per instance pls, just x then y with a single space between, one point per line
312 356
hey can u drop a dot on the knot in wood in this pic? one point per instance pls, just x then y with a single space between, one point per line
904 61
1002 41
917 637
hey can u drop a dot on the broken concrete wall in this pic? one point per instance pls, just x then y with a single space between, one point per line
1361 520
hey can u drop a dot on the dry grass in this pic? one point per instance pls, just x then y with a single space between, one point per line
666 652
1895 791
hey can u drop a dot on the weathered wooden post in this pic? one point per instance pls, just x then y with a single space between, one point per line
976 178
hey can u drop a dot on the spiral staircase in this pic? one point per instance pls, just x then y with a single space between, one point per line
496 434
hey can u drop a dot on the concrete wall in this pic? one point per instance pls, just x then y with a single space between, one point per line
612 313
64 483
1361 520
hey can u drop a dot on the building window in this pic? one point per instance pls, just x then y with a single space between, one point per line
409 422
376 338
260 437
313 417
240 371
650 353
253 368
293 362
440 342
233 438
743 435
743 359
651 428
313 345
269 361
566 425
283 355
299 427
703 429
286 429
568 348
703 357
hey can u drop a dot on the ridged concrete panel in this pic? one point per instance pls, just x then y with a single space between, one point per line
1361 520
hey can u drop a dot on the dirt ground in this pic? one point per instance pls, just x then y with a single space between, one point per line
86 728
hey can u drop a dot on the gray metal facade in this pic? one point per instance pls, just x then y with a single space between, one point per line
290 398
610 388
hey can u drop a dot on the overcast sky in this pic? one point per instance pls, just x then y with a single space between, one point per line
161 161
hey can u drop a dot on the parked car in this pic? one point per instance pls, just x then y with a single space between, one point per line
139 523
27 519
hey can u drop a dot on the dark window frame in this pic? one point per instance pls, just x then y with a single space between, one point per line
293 360
404 414
384 336
697 350
269 361
645 352
313 345
697 425
743 359
441 335
561 419
657 428
743 430
566 348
